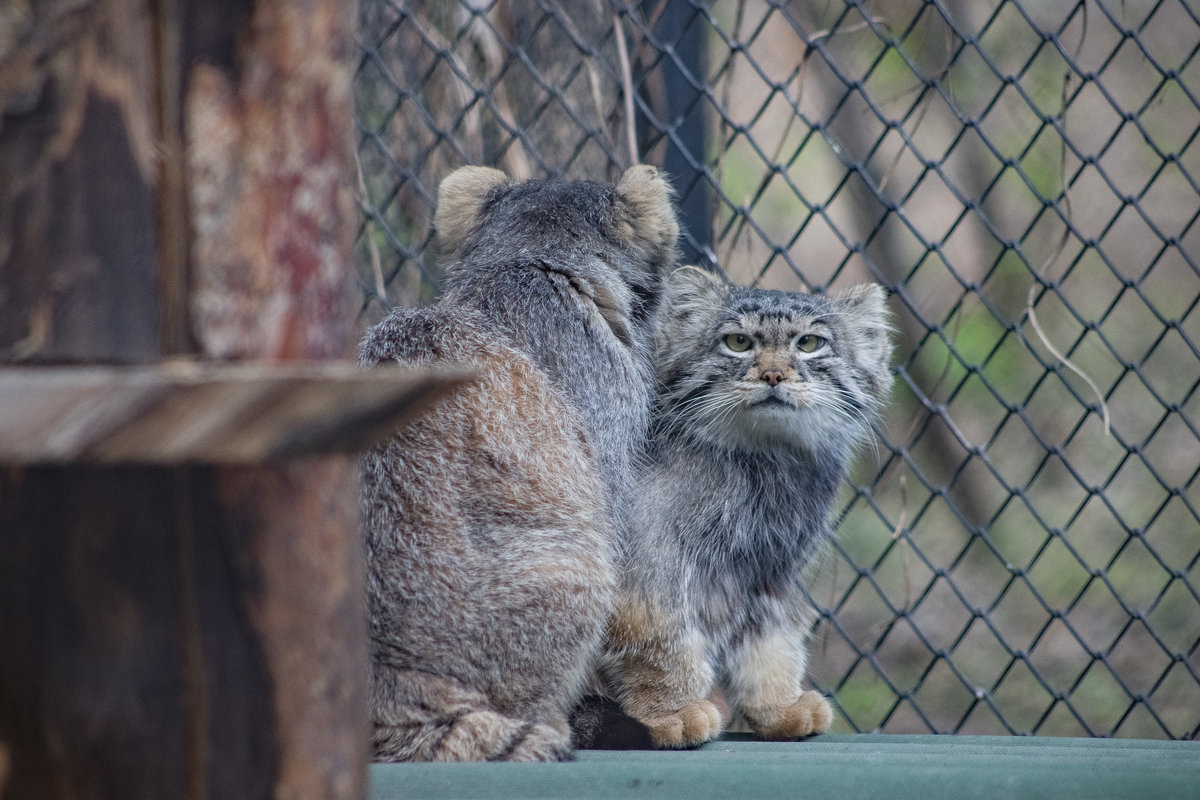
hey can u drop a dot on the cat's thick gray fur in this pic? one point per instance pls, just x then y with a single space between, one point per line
747 452
493 521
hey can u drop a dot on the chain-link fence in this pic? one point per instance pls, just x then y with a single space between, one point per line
1021 552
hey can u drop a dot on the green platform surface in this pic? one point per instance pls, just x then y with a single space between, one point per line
830 768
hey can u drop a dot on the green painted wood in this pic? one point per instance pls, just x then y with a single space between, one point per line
842 767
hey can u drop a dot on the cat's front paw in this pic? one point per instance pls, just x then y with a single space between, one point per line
811 713
691 725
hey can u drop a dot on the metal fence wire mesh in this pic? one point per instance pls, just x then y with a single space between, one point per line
1021 552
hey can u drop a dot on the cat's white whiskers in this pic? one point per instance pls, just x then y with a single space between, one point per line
838 403
703 408
706 414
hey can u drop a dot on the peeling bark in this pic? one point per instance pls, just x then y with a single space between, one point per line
270 164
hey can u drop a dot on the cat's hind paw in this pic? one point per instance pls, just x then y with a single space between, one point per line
810 714
695 723
473 736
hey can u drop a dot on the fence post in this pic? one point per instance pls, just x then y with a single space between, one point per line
683 116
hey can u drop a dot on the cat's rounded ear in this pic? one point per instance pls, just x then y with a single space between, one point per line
867 299
648 222
693 295
690 284
461 195
692 299
865 310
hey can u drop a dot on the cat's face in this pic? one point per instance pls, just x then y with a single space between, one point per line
758 370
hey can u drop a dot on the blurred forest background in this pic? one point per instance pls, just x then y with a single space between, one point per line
1020 552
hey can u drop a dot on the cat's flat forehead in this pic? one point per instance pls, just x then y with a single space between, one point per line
767 305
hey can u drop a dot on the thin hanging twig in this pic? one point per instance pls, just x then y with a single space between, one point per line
372 247
626 88
1066 362
1030 313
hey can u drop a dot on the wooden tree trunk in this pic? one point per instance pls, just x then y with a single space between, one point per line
174 180
166 636
78 238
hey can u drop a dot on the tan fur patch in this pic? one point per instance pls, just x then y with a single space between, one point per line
810 714
529 479
770 360
651 223
691 725
633 625
460 196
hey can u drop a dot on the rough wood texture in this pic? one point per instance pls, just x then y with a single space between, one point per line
269 162
196 412
167 634
124 636
93 186
307 612
174 178
267 116
77 167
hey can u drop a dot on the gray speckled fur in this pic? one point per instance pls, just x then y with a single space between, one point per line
493 521
733 499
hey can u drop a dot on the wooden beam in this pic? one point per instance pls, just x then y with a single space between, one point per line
190 631
189 412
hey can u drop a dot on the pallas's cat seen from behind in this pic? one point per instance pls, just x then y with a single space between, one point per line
492 521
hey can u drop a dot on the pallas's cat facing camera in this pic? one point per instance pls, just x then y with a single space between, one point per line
764 397
492 521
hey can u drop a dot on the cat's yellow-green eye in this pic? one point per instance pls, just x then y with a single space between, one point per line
810 343
738 342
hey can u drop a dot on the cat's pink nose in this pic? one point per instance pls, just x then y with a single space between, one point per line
772 376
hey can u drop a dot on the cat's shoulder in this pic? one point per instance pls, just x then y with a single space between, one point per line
426 335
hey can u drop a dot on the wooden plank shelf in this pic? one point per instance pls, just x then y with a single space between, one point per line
195 412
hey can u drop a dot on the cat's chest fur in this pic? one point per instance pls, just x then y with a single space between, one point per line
737 524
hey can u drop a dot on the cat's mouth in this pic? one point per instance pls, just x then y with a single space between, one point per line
773 400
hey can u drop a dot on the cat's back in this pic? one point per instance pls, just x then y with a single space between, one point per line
489 551
507 449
